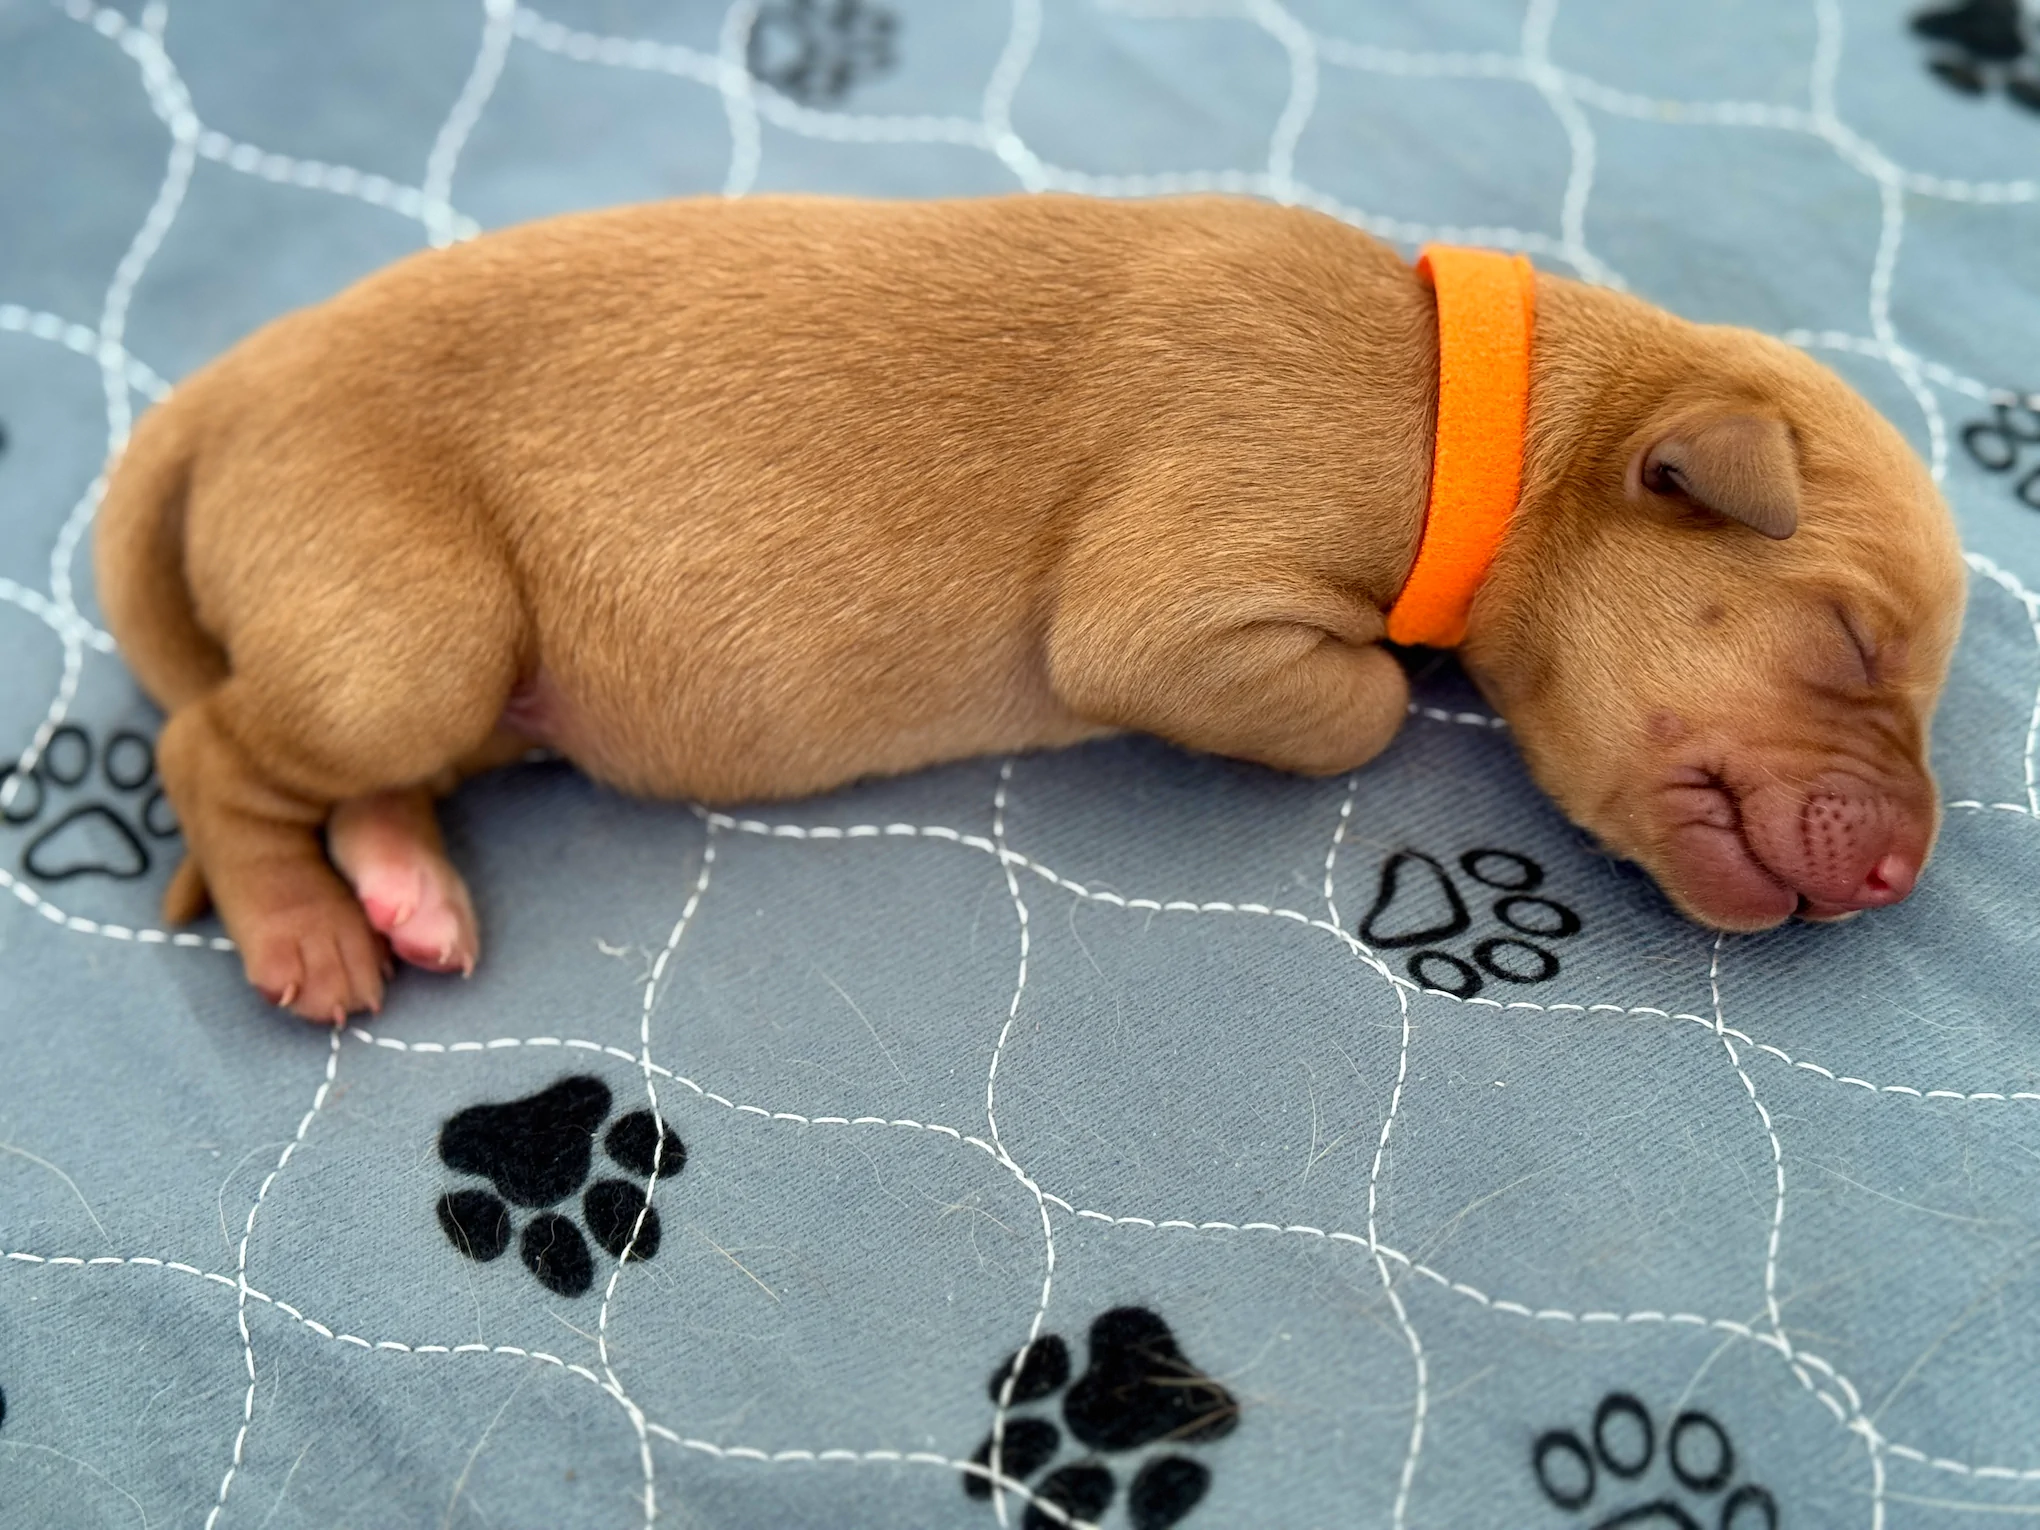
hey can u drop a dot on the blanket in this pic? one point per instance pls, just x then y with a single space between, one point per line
1110 1137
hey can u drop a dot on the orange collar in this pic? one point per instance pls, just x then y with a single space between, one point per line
1486 304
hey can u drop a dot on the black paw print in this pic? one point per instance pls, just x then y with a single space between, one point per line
537 1151
89 822
816 50
1997 444
1978 43
1697 1454
1418 903
1140 1390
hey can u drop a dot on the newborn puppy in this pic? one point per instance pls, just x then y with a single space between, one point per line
743 500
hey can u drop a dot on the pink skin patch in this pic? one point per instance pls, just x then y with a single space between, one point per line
408 889
533 710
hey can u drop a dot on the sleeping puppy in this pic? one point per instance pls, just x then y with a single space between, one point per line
743 500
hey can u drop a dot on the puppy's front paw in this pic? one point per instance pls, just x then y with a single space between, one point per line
317 958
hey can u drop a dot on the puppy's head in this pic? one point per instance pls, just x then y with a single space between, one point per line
1721 620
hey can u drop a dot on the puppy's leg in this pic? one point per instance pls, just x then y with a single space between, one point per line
345 685
252 842
1282 683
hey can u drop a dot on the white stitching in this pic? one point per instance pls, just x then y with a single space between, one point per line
2005 580
1004 1401
835 833
241 1287
442 224
568 1367
1729 1326
649 1069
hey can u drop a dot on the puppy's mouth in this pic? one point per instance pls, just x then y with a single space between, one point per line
1710 864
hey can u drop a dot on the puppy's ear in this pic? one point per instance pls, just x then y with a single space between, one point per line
1741 466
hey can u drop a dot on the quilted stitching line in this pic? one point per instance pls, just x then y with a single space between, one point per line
40 325
644 56
171 102
1729 1326
1002 1404
1771 1307
832 833
546 1358
442 225
1550 82
144 45
500 1043
1163 1224
1422 1381
650 1071
2012 586
241 1288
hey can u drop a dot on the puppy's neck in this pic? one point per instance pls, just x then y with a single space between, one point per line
1597 358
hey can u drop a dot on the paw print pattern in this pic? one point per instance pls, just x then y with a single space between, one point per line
1998 444
96 810
1140 1390
815 51
538 1151
1978 43
1697 1456
1417 903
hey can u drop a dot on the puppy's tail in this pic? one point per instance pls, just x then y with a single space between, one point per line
138 556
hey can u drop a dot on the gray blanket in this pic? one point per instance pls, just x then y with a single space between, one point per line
1352 1153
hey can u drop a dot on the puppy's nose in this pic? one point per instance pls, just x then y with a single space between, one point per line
1860 850
1890 881
1843 845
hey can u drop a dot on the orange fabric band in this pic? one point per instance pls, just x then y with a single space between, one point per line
1486 305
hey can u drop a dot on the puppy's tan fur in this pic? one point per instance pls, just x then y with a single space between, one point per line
739 500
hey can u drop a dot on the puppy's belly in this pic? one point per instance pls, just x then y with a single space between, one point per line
669 750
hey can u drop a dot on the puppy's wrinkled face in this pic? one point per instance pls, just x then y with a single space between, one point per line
1721 633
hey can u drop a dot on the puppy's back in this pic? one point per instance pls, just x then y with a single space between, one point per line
792 478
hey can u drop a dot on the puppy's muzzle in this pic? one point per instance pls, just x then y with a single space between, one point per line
1749 853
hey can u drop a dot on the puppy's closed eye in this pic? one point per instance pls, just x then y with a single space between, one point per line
1861 644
